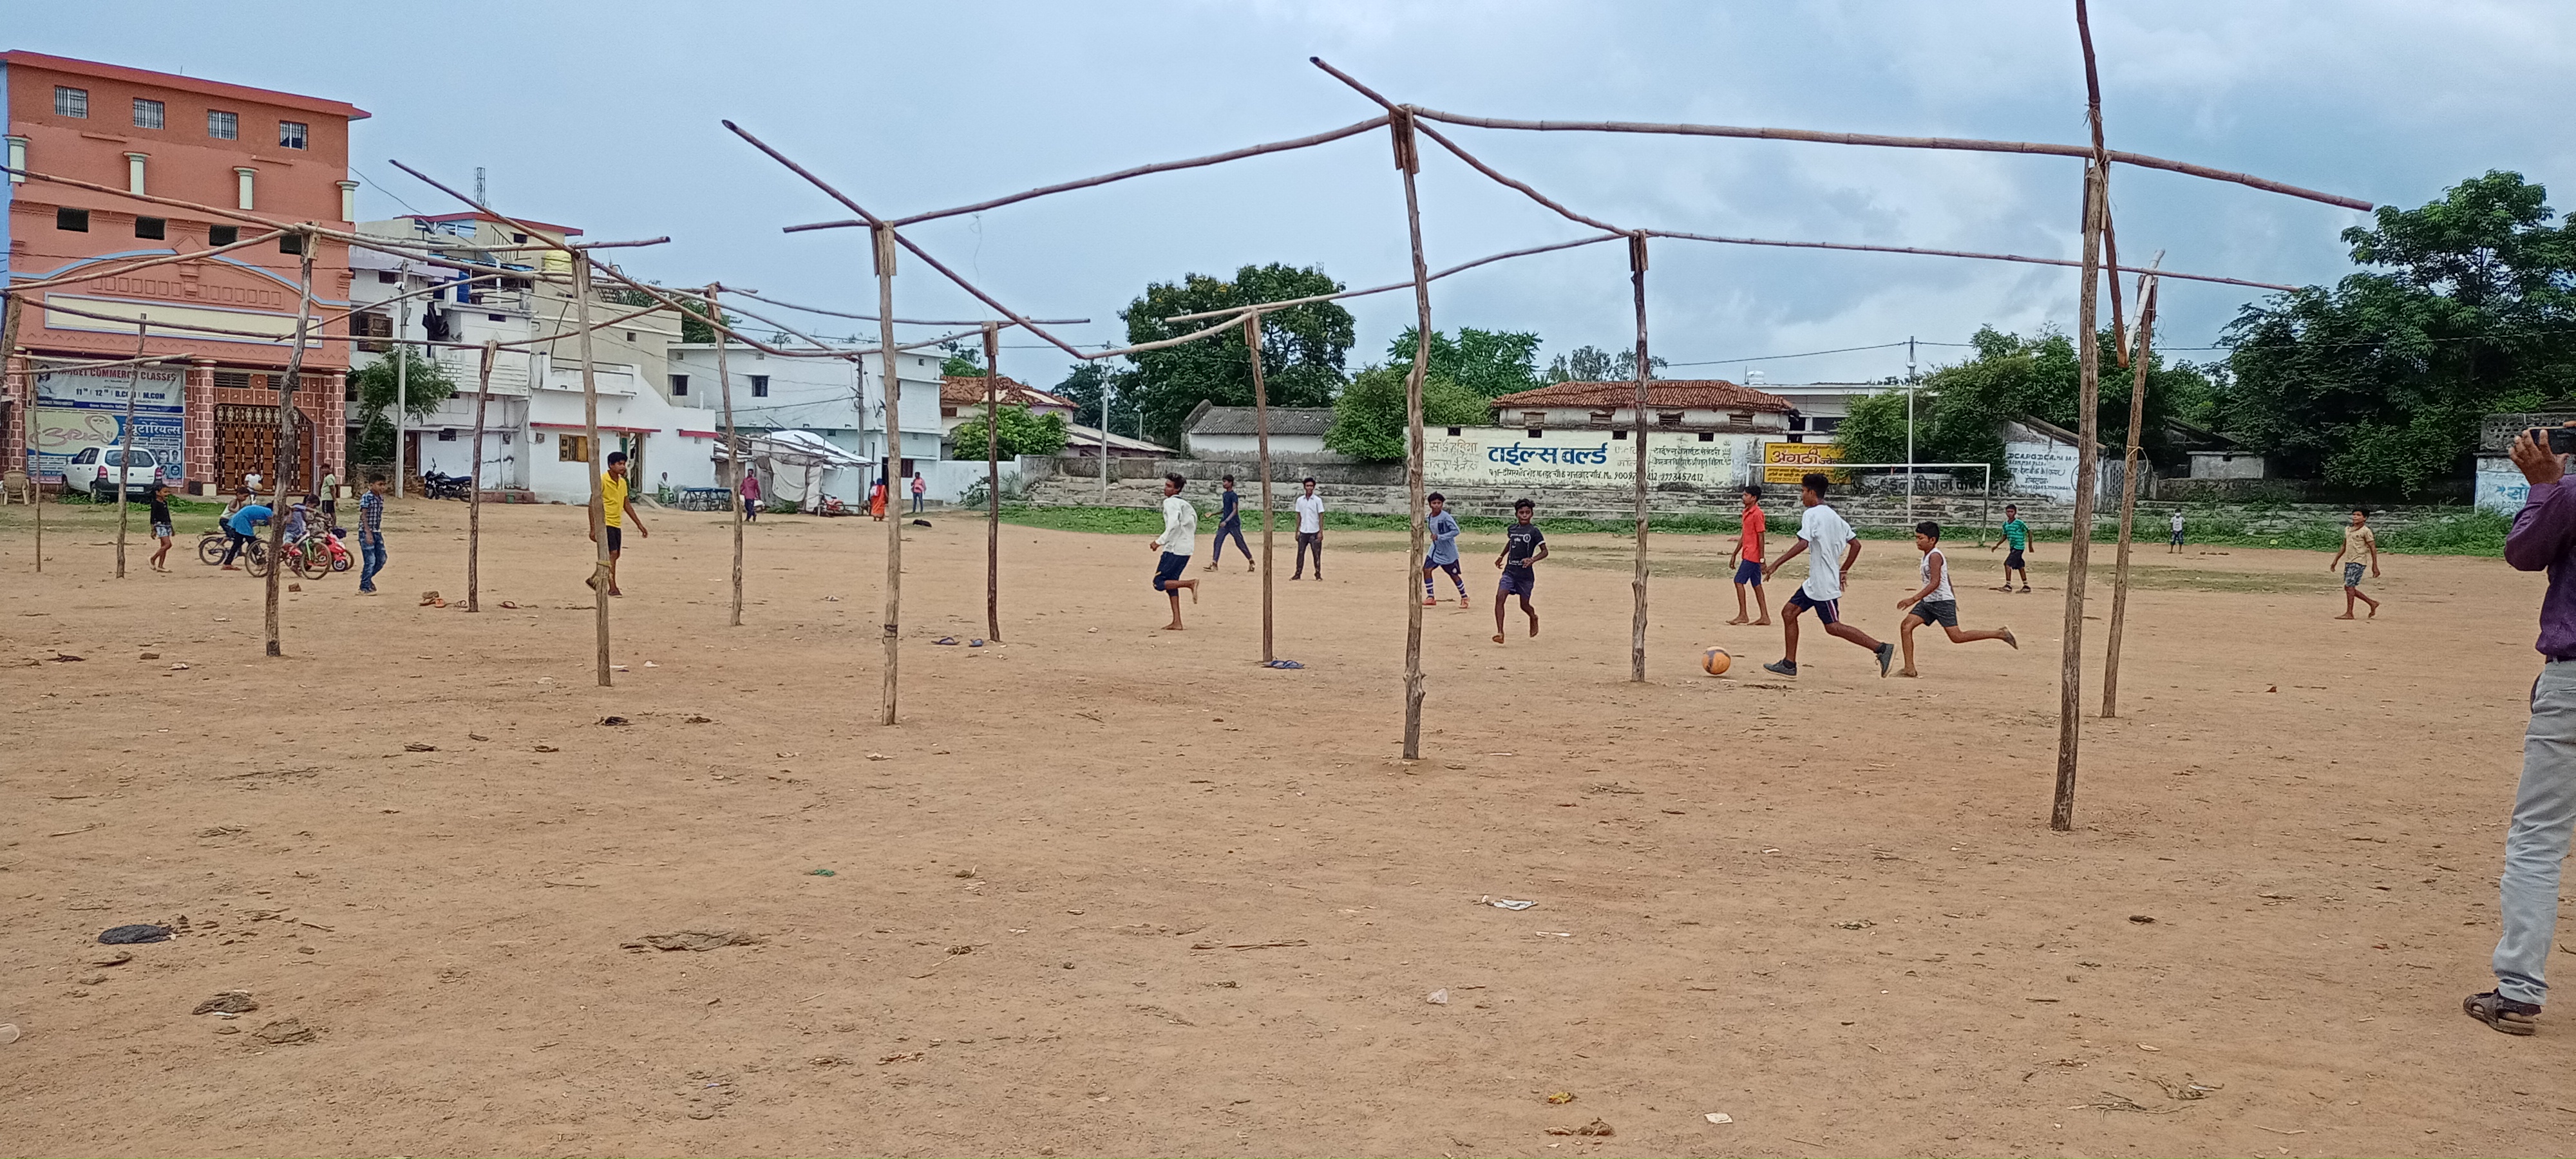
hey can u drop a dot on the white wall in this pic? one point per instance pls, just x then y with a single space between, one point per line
1217 446
2500 485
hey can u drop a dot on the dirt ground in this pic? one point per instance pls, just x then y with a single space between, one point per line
1111 890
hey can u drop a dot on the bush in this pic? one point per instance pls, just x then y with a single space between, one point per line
1369 418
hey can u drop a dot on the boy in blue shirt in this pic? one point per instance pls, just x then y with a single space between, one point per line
1444 551
1229 522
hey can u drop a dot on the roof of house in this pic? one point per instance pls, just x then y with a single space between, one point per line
966 389
479 215
1078 435
1209 419
183 83
1686 393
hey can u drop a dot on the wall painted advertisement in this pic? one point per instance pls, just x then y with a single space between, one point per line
2041 468
1790 462
1506 457
79 407
2501 487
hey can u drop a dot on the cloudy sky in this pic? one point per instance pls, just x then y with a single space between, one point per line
605 116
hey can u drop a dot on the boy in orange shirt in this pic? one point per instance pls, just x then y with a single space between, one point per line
1748 553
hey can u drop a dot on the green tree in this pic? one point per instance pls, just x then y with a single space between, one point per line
1593 364
1369 417
964 361
1024 432
1959 410
424 386
1087 385
693 312
1490 362
1302 347
2469 308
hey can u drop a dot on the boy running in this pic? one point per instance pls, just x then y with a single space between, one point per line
1444 551
1748 554
1180 531
2358 541
616 506
1310 530
1934 603
1822 530
1523 545
158 495
2016 537
1229 521
2175 547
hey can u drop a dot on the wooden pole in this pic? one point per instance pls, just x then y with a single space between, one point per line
1408 161
1637 584
1261 452
125 451
993 480
286 387
733 450
2129 495
2070 718
474 497
1971 254
884 241
2102 160
27 399
600 570
402 395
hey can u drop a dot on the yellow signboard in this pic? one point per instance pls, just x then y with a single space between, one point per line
1788 462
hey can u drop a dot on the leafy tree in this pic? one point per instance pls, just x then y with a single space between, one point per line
1302 347
1024 432
1959 410
1490 362
424 386
1369 417
964 361
1087 385
1593 364
2381 381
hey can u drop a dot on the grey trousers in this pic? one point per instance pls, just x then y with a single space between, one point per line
2535 844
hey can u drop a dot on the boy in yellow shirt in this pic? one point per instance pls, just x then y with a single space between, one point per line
616 506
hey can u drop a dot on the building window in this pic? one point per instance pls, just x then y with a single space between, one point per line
17 159
388 277
447 434
1707 437
74 220
290 134
290 243
679 386
1826 426
134 172
248 179
630 336
1741 418
1531 418
223 126
1534 432
518 239
495 318
760 386
147 114
1454 432
572 448
151 227
1603 416
1619 432
950 412
70 102
1668 418
223 234
369 324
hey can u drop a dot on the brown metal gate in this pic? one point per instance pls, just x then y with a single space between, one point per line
246 443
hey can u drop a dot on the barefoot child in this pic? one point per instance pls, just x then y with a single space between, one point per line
1748 553
1523 545
2017 538
158 495
1444 551
1934 603
1180 531
2358 541
1823 531
1229 521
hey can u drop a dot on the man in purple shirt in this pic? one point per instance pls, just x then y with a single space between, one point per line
2544 808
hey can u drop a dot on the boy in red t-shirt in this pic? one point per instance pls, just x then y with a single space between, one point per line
1748 553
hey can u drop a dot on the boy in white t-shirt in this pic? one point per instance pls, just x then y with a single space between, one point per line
1310 530
1821 530
2175 547
1934 602
1179 537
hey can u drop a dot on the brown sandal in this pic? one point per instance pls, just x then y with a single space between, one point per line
2502 1013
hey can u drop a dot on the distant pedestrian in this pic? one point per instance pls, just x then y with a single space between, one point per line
877 499
1310 530
920 487
158 495
2358 541
750 497
1229 523
2175 546
2016 539
330 496
371 534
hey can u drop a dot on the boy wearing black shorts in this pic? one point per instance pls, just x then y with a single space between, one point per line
1523 545
1934 603
1180 531
2016 538
1835 548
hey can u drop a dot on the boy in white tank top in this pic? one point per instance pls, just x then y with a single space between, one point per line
1934 602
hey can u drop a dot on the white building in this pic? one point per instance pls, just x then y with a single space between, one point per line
841 400
1706 406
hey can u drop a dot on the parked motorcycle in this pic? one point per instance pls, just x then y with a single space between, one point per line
434 485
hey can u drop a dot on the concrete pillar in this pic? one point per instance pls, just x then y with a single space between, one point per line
197 422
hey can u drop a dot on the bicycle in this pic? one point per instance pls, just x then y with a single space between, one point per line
254 555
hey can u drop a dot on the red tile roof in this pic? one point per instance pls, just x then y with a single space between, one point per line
1668 393
961 389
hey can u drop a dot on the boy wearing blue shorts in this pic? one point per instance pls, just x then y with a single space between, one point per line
1523 545
1748 557
1823 531
1180 531
1444 551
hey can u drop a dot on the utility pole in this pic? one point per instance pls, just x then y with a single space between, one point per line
1909 432
402 376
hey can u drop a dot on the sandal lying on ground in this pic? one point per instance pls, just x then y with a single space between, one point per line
2502 1013
1281 664
950 640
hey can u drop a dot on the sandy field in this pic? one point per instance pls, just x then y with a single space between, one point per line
1112 890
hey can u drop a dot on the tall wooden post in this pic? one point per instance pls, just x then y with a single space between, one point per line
599 568
993 480
2070 715
885 246
125 452
733 447
474 497
1637 584
2129 493
27 401
1408 161
1261 452
286 386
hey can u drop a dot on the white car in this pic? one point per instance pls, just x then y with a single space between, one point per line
99 469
